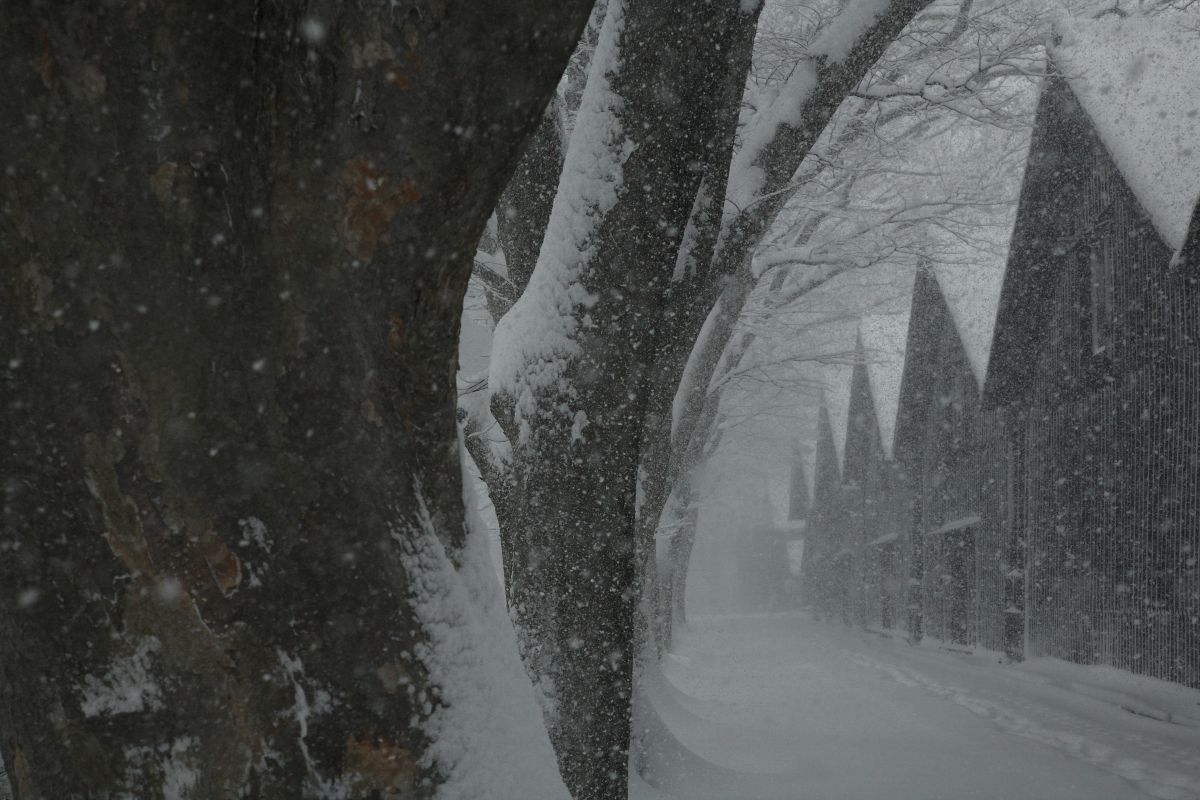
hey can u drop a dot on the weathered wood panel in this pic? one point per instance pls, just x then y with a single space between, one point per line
1113 433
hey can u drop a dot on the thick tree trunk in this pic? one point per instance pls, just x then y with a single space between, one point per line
685 311
574 588
235 244
524 209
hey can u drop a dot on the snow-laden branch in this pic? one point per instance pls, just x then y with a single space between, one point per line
536 339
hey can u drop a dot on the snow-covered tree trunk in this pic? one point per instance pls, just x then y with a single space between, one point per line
236 238
571 363
524 209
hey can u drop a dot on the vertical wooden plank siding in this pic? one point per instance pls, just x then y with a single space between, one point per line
1114 446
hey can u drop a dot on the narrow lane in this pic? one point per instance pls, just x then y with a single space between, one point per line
780 707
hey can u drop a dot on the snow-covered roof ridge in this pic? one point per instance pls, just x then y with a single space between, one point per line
1138 79
884 337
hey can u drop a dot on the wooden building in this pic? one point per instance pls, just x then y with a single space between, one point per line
1045 465
1095 362
913 532
874 483
956 456
826 577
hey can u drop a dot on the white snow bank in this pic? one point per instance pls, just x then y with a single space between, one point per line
676 747
1092 715
1138 78
1136 694
488 737
884 337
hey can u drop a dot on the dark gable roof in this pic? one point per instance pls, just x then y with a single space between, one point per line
930 315
799 499
862 425
1061 154
1189 256
827 472
1138 80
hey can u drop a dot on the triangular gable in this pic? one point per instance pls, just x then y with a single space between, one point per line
862 423
1138 80
837 404
883 338
800 493
827 469
808 463
971 290
927 320
1063 152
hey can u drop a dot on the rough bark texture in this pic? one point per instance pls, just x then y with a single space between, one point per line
524 208
684 309
235 240
521 215
574 581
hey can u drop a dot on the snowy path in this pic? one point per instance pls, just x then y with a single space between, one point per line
782 708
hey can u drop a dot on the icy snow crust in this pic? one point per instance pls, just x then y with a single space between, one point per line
536 340
1138 79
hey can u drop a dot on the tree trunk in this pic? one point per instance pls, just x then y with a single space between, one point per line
673 573
524 209
236 241
577 436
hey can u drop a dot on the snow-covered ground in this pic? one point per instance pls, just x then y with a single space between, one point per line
780 707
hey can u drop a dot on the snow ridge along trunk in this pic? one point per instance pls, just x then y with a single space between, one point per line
235 241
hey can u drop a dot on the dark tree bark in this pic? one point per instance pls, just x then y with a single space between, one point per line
524 208
522 216
685 315
573 583
235 242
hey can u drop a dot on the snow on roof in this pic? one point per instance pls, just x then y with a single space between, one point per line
972 293
1138 79
884 337
970 276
